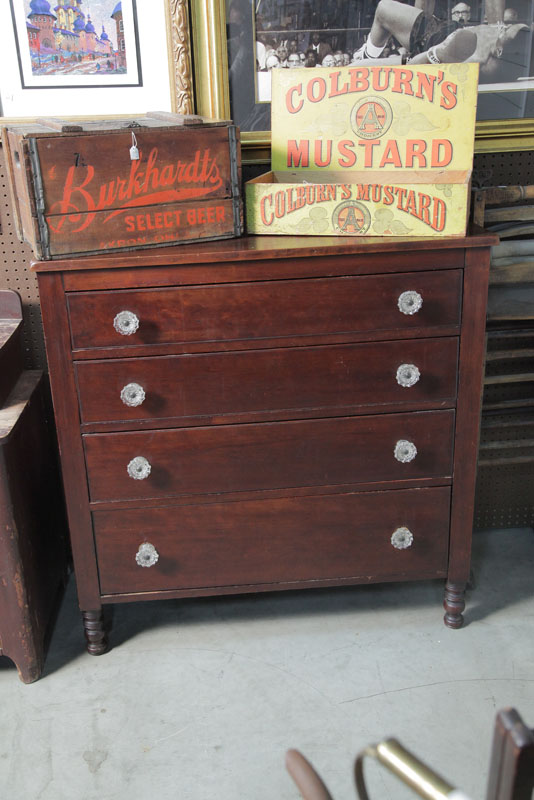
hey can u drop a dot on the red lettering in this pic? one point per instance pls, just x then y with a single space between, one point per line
290 201
313 95
384 73
391 155
441 153
424 205
369 146
415 149
402 81
438 215
359 79
448 95
334 85
346 191
401 194
298 153
410 206
294 109
266 215
347 156
425 86
301 196
320 160
279 204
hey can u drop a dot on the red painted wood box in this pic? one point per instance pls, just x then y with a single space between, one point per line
161 179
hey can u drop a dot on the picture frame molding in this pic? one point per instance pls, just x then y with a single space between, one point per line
181 79
212 98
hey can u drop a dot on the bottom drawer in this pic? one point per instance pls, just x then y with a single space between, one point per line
285 540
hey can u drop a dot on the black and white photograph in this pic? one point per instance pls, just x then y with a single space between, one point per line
285 34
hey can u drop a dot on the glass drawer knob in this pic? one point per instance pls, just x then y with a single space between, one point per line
147 555
402 538
405 451
139 468
126 323
133 395
410 302
408 375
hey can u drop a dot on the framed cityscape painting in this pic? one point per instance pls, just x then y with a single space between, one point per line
72 43
94 57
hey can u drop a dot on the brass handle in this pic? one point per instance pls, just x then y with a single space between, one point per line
126 323
411 771
402 538
147 555
133 395
139 468
405 451
410 302
408 375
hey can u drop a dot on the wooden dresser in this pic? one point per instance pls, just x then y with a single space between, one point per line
267 413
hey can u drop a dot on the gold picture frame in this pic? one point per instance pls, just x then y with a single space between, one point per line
181 79
212 98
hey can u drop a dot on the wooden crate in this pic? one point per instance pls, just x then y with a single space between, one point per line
112 185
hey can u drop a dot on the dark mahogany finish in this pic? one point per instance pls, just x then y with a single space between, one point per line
274 455
239 386
270 417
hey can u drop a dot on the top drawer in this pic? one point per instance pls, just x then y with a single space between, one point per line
265 310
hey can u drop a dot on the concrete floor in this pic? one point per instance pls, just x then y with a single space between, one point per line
200 699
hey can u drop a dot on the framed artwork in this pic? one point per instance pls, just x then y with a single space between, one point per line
238 42
94 57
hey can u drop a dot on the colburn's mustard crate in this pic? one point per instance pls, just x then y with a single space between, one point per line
368 150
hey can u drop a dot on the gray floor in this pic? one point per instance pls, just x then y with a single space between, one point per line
200 699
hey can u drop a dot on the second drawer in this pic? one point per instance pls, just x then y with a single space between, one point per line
301 381
268 456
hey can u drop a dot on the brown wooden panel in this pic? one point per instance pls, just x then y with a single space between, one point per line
145 226
301 381
262 309
234 458
339 536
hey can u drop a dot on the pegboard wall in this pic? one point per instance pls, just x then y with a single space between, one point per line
503 169
15 274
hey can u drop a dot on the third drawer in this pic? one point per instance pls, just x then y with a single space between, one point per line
269 456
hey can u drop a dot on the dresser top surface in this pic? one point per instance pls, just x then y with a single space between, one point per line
254 248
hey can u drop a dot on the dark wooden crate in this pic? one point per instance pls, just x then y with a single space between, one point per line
77 189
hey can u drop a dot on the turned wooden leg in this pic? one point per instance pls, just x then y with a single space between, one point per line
454 604
93 623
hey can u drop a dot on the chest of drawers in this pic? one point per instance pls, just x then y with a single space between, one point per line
267 413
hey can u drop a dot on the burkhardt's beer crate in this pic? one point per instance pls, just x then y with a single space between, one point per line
369 150
160 179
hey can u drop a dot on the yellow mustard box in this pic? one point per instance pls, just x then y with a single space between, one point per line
368 150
